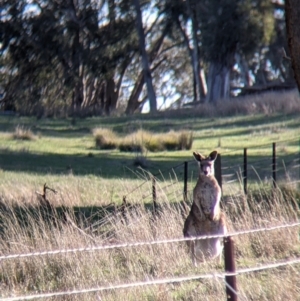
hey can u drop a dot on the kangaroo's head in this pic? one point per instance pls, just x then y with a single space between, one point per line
206 164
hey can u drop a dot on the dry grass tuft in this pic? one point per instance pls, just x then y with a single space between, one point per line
105 138
27 229
22 133
135 142
141 141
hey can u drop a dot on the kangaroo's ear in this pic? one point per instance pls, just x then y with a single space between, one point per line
213 156
198 156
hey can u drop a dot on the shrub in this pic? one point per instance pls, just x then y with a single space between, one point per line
185 140
170 141
142 140
22 133
135 142
154 145
105 138
130 146
177 141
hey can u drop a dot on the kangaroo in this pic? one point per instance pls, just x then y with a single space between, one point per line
205 217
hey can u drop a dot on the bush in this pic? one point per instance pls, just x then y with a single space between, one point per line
186 140
105 138
177 141
142 140
134 142
170 141
22 133
129 146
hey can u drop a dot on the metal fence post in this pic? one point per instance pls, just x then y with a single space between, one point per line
218 170
274 165
154 194
185 174
231 288
245 171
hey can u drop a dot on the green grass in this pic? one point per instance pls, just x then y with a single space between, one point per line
61 145
63 148
26 227
91 185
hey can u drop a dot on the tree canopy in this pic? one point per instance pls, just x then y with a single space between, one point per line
86 57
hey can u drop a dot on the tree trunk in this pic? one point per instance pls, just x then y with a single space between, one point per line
218 82
111 96
76 63
195 55
77 69
133 102
146 67
292 17
202 80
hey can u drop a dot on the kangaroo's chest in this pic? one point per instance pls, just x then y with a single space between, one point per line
207 226
205 191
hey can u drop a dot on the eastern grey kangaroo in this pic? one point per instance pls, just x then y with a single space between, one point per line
205 217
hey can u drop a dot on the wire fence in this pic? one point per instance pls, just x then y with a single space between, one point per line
152 282
151 188
157 282
246 169
144 243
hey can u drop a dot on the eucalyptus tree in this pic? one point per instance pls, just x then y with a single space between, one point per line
292 10
156 29
186 30
145 60
67 54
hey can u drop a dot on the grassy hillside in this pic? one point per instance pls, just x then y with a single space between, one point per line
59 148
89 185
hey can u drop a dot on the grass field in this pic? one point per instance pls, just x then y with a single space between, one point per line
90 185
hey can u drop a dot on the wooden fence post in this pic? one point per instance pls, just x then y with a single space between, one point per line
185 175
231 287
218 170
274 165
154 194
245 171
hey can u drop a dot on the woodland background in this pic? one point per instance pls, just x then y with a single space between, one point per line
102 57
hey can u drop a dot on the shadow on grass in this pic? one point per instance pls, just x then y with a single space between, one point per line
92 221
28 217
102 164
116 166
71 128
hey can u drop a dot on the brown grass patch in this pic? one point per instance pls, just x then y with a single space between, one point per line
141 141
23 133
27 229
105 138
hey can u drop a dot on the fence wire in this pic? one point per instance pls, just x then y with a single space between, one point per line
156 282
143 243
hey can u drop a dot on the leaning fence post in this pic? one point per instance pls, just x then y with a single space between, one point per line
274 165
230 280
154 194
245 171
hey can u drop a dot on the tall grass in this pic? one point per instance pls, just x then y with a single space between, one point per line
27 227
23 133
141 140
